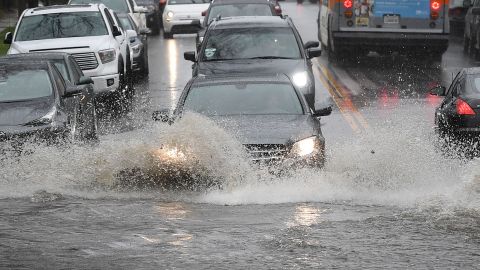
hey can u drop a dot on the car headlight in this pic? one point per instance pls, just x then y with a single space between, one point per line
169 15
305 147
107 56
300 79
44 120
170 154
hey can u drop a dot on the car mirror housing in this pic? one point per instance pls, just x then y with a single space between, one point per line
313 52
131 33
85 80
438 91
138 9
311 44
72 91
325 111
8 38
189 56
163 116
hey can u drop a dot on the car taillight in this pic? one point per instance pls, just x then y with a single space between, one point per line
435 5
348 13
463 108
278 10
348 3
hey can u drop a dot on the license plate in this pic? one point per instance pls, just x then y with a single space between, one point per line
362 21
391 19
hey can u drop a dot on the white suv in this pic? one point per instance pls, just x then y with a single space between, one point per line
121 6
90 33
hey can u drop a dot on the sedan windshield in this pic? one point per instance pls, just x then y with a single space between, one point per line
256 98
183 2
250 43
117 5
235 10
18 85
61 25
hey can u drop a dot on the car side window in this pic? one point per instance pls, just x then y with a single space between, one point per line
109 19
73 67
59 82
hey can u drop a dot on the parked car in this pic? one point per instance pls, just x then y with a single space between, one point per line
458 115
90 33
121 6
471 41
236 8
138 43
457 11
273 121
153 15
183 16
257 45
36 102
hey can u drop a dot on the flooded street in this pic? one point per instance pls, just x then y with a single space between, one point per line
387 197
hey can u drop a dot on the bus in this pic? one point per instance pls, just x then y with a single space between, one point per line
348 28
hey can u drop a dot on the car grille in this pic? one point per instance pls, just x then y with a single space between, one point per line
86 61
265 153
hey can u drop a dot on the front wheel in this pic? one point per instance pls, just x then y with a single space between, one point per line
167 35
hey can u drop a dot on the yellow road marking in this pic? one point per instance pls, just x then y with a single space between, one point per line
346 102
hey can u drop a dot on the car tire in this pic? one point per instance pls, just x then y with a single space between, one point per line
167 35
145 67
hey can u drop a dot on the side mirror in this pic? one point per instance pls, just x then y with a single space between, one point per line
189 56
438 91
278 10
131 34
8 38
323 112
138 9
72 91
85 80
144 31
476 11
311 44
116 32
204 13
313 52
162 115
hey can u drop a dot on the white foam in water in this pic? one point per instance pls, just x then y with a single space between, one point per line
395 163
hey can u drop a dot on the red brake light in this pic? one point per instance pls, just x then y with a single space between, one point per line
435 5
348 3
463 108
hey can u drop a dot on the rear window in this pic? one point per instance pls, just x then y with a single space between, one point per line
61 25
243 99
235 10
24 84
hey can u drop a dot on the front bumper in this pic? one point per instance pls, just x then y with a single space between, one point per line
106 83
180 26
54 131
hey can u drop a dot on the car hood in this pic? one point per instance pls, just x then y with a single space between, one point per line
20 113
267 129
71 45
255 66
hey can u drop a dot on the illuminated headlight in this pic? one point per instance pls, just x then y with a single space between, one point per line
170 154
107 56
169 15
44 120
300 79
136 48
305 147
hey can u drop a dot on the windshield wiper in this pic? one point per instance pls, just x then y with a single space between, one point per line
271 57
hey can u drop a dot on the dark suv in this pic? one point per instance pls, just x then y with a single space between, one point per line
472 28
257 45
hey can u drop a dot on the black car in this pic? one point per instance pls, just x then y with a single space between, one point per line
458 116
138 43
255 45
235 8
266 113
154 14
471 40
36 102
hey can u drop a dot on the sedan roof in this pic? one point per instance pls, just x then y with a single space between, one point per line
251 21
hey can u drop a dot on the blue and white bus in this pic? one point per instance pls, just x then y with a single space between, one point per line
419 27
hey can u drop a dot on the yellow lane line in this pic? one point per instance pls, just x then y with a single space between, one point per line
337 99
347 101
